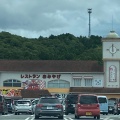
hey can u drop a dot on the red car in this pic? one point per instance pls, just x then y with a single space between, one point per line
87 105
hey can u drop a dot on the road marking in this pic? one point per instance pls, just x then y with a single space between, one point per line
70 119
32 118
27 118
65 118
108 118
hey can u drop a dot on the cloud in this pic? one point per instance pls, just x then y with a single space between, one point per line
34 18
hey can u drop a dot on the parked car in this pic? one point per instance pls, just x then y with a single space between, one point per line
70 100
103 102
23 106
13 105
87 105
111 104
9 101
116 105
34 103
3 105
49 106
9 104
63 103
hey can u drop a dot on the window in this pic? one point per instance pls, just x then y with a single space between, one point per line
58 84
12 83
49 100
77 82
88 82
102 100
87 99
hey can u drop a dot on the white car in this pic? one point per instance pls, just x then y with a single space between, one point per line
23 106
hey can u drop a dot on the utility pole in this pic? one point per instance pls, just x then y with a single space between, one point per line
89 12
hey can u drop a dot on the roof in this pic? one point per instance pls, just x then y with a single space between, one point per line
112 34
94 90
50 66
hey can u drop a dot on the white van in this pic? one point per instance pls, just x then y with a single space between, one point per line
103 102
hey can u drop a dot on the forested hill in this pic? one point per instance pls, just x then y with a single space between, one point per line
61 47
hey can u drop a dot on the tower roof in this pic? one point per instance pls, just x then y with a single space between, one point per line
112 34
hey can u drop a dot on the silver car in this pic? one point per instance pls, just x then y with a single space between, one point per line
49 106
34 103
23 106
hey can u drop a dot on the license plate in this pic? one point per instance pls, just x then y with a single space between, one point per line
88 113
49 107
110 108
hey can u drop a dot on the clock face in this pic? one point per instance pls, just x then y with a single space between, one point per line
113 49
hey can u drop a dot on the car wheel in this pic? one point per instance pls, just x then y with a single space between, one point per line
98 117
66 113
3 113
60 117
76 117
15 113
31 113
106 113
36 117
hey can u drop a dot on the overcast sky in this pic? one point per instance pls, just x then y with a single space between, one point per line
34 18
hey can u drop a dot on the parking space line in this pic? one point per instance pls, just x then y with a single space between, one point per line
70 119
32 118
65 119
27 118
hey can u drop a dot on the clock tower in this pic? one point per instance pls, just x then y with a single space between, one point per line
111 60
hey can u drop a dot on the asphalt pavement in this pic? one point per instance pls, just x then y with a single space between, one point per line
66 117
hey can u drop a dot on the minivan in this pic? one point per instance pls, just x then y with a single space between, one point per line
70 103
3 105
103 102
116 105
87 105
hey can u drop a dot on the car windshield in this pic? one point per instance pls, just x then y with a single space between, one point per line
87 99
23 102
111 102
9 101
49 100
71 98
102 100
36 101
14 102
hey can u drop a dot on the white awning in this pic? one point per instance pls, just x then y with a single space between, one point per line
77 77
88 77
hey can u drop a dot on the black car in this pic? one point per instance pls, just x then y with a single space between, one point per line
111 104
116 105
3 105
49 106
70 101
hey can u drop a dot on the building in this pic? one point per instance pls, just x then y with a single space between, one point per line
59 75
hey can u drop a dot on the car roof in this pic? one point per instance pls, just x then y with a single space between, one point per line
88 94
24 100
102 96
50 97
